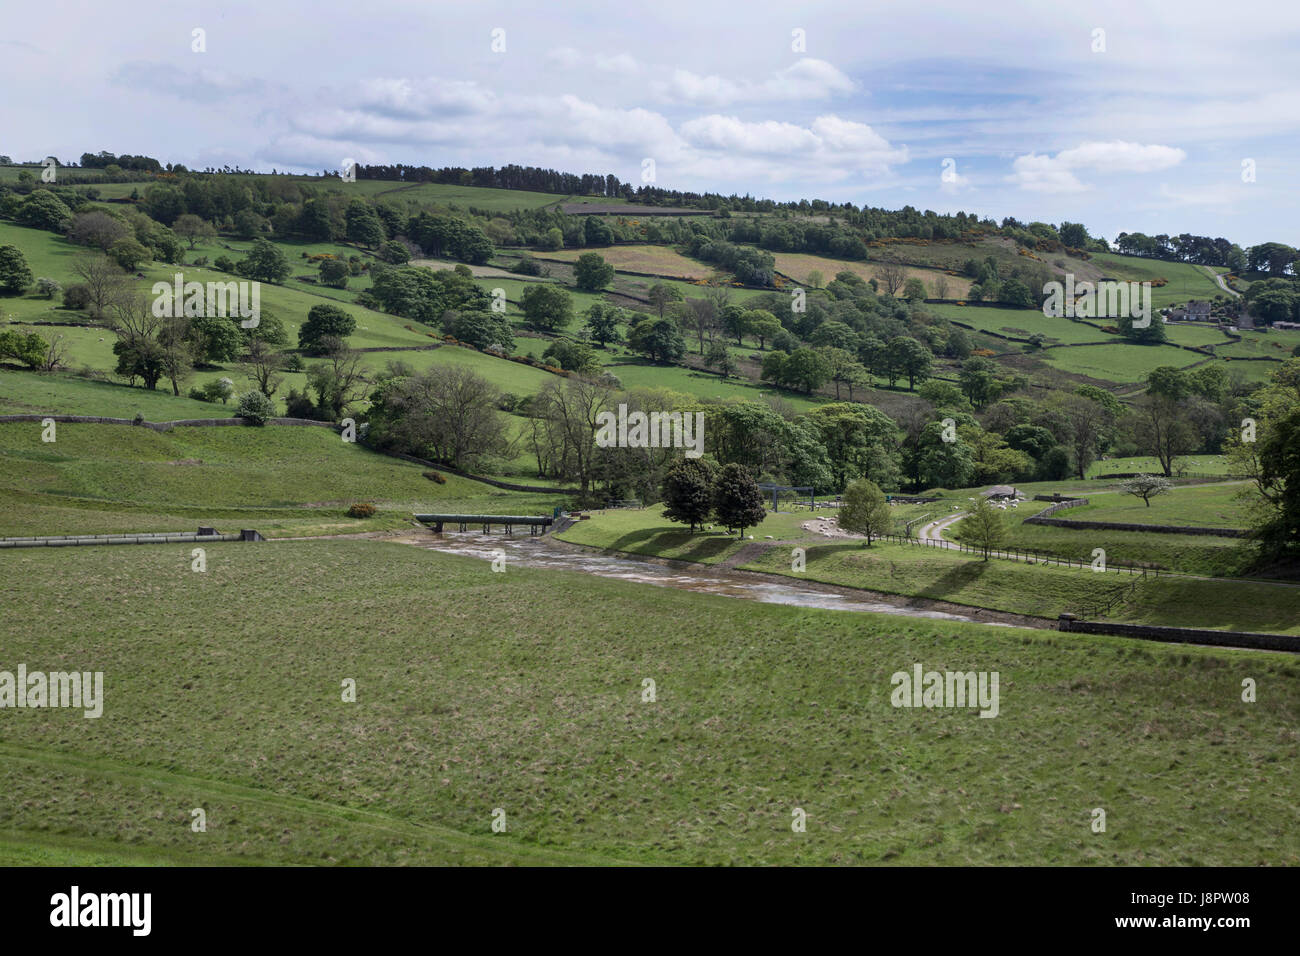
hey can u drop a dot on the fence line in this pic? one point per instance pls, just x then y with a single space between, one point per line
1026 555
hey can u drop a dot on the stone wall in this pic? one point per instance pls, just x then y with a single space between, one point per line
74 540
1124 526
1184 635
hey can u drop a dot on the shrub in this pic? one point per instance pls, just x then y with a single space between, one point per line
218 390
527 266
76 296
223 264
436 476
255 407
299 405
334 272
362 509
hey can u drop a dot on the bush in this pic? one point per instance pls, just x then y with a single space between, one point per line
436 476
223 264
299 405
129 254
218 390
255 408
362 509
76 296
527 266
334 272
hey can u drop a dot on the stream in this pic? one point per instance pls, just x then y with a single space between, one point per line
539 552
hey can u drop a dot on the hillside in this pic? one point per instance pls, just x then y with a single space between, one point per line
281 481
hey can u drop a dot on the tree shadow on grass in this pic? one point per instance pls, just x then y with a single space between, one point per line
954 579
943 588
657 541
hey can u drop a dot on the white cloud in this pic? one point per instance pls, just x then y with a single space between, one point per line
571 59
1120 157
806 79
403 97
1055 174
836 145
1043 174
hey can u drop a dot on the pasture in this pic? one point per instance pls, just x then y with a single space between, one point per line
460 711
1020 323
1185 280
283 481
1118 361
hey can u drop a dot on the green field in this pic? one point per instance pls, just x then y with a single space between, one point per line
1274 344
1189 554
1186 280
1194 505
282 481
460 711
635 372
1021 323
9 174
1118 362
1193 464
27 393
1202 506
1196 336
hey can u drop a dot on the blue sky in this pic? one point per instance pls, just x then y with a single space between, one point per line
1144 126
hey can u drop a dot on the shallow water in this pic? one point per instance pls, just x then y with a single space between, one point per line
530 552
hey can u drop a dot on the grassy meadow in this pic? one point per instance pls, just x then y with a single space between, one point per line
102 479
461 712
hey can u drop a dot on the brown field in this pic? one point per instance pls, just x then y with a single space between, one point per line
798 265
482 272
654 260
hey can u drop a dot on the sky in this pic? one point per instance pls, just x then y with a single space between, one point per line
1156 117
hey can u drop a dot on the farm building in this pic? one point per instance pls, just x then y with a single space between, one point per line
1001 492
1194 311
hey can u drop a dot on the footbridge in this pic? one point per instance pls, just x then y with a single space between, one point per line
536 524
